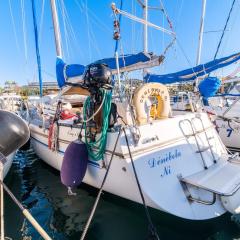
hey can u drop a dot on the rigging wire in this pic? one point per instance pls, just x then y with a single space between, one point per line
94 41
14 26
64 28
88 31
101 24
133 25
71 31
185 55
24 31
179 14
224 29
41 21
166 15
230 28
93 19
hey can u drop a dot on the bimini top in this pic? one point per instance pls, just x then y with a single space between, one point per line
127 63
193 73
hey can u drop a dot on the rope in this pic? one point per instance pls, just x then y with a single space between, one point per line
100 107
152 229
97 147
220 42
100 191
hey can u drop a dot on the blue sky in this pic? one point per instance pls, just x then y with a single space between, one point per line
87 29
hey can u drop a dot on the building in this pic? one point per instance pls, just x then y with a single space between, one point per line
49 86
10 86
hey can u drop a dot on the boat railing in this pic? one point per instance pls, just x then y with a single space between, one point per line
194 132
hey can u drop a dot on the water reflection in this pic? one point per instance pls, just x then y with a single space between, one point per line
38 187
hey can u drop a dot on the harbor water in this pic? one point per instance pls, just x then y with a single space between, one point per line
39 188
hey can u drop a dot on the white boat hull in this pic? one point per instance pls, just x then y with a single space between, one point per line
162 155
228 129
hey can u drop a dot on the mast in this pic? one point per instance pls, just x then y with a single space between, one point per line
200 38
56 29
145 29
37 48
201 32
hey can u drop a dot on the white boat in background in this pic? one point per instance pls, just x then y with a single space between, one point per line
11 101
224 112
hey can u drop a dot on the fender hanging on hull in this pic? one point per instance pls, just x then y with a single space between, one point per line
74 164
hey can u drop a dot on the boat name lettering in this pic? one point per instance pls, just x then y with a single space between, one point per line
166 158
71 133
148 140
152 91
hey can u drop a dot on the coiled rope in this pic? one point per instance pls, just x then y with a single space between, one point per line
97 147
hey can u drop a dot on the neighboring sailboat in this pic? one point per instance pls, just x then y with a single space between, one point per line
14 133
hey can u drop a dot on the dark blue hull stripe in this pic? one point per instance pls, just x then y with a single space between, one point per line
62 153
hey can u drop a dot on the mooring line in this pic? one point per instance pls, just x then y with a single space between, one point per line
100 191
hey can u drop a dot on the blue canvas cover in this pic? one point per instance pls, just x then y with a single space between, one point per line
136 61
64 71
192 73
209 86
125 60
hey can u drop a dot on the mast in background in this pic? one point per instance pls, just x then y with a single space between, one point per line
56 29
200 38
37 48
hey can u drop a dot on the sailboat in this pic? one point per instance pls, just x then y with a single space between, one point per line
14 133
177 161
222 108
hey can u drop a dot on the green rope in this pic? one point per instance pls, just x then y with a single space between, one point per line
96 149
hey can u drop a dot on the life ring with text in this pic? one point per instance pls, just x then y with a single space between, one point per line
151 101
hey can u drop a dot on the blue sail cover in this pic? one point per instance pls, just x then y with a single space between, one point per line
125 60
193 73
129 62
64 71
